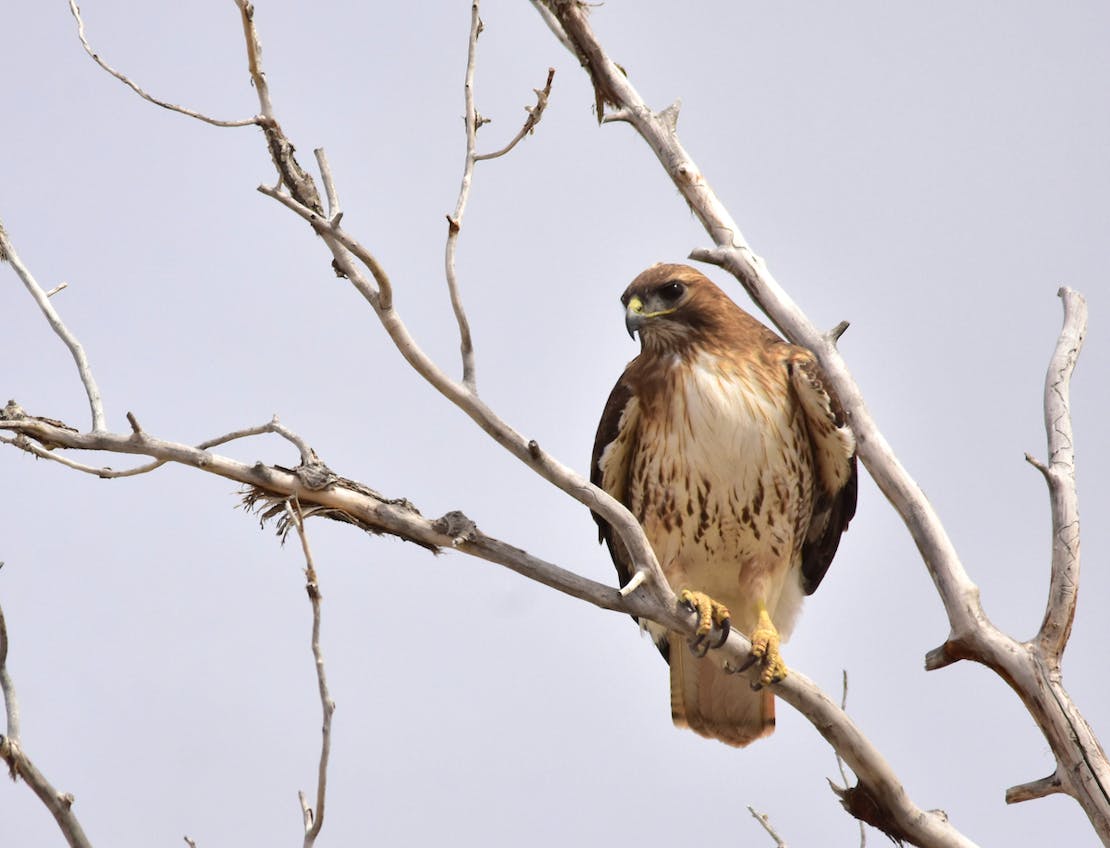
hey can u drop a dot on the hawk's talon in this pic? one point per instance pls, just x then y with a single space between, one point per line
726 628
765 650
710 613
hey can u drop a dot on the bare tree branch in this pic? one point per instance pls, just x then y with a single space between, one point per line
1082 765
763 819
76 12
314 820
13 410
20 765
1060 475
651 599
454 222
527 451
96 405
473 122
535 114
346 500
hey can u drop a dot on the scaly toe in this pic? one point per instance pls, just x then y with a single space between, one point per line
710 613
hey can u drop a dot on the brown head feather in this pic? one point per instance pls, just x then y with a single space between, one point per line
701 318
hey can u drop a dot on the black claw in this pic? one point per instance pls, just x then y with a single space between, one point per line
756 686
726 627
748 663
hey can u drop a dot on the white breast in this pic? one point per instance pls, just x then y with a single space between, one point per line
726 501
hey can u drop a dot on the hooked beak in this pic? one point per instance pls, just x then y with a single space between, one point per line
634 316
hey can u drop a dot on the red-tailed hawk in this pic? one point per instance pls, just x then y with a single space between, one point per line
729 448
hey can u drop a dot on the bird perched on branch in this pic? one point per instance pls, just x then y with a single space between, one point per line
731 450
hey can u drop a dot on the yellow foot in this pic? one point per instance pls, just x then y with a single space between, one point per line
709 613
765 650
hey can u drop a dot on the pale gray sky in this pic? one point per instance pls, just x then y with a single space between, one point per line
931 172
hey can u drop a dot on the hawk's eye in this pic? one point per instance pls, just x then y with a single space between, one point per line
672 291
625 298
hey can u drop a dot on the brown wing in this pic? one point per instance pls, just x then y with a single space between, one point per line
615 431
611 470
834 460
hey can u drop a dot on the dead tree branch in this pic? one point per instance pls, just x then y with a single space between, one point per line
1059 473
314 819
76 12
474 121
19 764
96 405
1034 677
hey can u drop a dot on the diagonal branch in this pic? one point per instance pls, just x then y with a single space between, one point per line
42 298
342 499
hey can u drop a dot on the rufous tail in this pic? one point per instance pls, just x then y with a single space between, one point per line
716 704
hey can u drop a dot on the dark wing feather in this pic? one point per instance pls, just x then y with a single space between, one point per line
618 423
818 553
834 466
608 429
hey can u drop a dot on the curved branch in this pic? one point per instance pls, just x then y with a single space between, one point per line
76 12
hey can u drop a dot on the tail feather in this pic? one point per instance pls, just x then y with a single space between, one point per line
715 704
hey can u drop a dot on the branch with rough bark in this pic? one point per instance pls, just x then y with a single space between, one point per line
1032 669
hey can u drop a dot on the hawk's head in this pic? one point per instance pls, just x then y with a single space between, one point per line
673 307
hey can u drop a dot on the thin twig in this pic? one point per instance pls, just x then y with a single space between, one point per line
273 426
335 211
19 764
314 820
473 121
840 759
764 820
454 222
245 122
96 405
535 113
381 296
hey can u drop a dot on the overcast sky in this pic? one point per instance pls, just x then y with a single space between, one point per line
930 172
